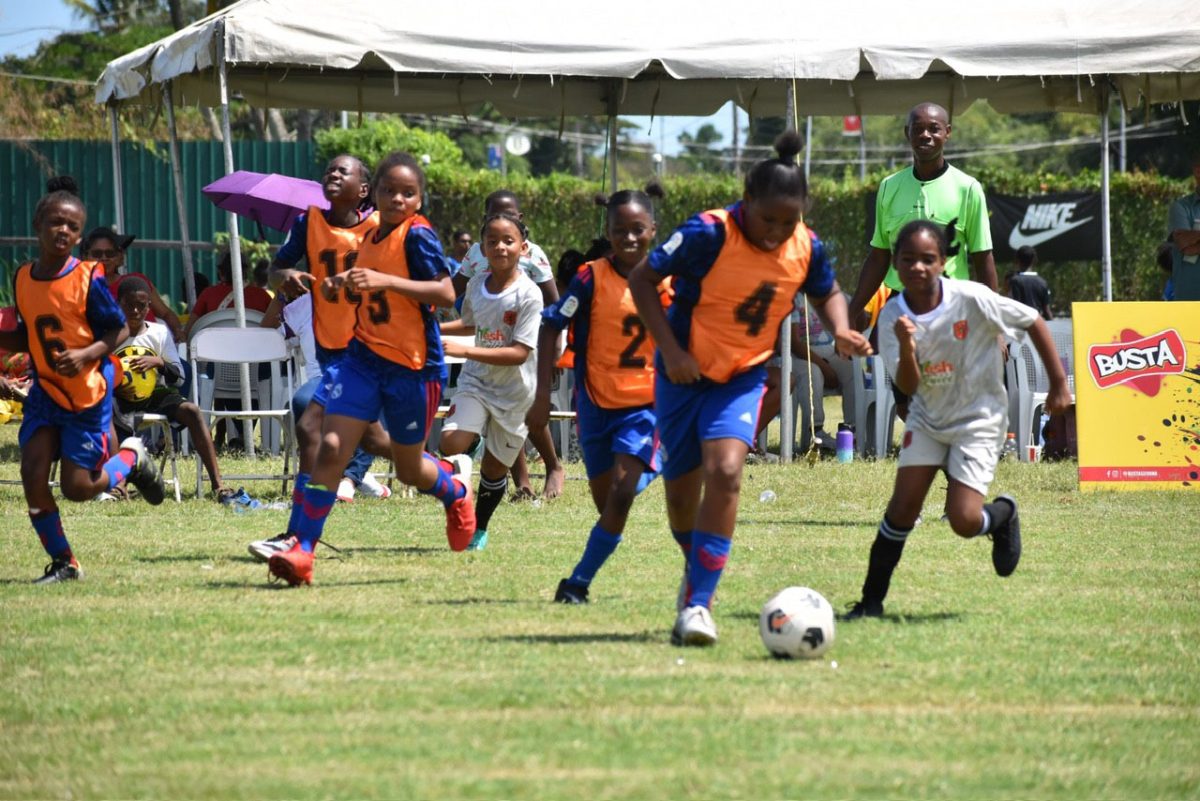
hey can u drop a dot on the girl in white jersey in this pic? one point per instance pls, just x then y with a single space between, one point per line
938 341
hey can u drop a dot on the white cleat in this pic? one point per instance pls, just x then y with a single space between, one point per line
263 550
695 627
462 465
345 490
371 488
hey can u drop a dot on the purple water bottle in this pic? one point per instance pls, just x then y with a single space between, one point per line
845 443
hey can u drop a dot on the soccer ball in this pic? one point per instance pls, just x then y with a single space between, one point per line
797 624
136 385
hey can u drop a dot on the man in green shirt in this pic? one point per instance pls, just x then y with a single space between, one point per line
1184 230
932 190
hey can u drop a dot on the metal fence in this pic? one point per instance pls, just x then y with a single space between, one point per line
149 196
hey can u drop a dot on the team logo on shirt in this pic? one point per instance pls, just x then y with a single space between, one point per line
510 317
935 374
1141 361
960 329
569 307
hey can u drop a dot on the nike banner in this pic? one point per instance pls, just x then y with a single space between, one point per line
1061 227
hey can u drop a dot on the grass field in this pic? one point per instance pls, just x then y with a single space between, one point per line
175 671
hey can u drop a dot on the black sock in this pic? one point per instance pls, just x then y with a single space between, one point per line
491 492
999 513
885 555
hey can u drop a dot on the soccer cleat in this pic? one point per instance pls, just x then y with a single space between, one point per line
345 490
461 466
60 570
861 609
1006 541
695 627
145 474
568 593
479 541
263 550
460 520
295 565
371 488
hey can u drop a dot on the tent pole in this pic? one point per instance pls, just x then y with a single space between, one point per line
786 423
118 183
235 241
1105 200
613 87
189 279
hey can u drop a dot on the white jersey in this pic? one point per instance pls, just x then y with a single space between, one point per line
533 262
514 316
297 321
157 338
962 386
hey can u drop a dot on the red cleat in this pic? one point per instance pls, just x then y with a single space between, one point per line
460 520
295 566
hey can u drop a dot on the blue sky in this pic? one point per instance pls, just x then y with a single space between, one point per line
25 23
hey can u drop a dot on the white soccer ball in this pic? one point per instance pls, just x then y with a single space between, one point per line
797 624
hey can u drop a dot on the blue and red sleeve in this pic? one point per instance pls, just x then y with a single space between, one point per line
295 247
103 313
423 249
821 276
575 304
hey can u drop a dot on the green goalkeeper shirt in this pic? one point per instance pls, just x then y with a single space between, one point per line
952 195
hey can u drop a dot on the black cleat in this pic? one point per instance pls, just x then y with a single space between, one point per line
1006 541
568 593
59 570
145 475
861 609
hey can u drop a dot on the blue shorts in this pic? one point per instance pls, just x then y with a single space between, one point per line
83 436
689 414
325 360
364 385
603 433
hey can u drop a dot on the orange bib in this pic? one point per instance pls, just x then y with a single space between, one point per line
332 250
744 298
620 351
388 323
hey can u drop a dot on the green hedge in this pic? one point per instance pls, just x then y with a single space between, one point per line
561 213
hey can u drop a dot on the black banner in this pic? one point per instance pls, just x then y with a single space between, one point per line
1061 227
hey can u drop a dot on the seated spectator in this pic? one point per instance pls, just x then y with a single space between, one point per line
1027 287
108 247
152 373
220 295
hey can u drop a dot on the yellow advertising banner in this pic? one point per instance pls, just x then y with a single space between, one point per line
1137 395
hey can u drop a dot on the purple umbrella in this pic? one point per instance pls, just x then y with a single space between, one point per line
269 199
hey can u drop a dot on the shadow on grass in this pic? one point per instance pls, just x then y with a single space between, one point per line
327 585
581 639
418 550
915 620
471 601
184 557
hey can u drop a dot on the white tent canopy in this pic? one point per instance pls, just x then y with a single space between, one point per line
546 58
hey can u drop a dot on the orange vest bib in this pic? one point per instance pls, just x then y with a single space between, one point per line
388 323
332 250
620 351
744 298
55 314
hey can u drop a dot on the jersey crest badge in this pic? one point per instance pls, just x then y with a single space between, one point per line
569 307
510 317
960 329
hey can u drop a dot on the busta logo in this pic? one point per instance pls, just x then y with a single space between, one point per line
1138 360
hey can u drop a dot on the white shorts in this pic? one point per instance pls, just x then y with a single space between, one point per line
468 412
970 458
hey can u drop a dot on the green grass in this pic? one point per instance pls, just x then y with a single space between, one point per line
175 671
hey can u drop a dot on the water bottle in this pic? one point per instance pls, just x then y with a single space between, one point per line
845 443
1041 429
1009 452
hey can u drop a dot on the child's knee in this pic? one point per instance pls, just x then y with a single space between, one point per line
964 523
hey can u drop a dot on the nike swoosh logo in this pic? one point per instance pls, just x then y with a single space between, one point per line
1017 239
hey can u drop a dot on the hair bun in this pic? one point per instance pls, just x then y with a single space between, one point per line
62 183
600 199
655 190
789 144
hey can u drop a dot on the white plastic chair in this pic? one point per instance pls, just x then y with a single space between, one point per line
229 347
874 408
1029 383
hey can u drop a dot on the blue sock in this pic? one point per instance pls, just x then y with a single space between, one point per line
48 526
119 466
444 488
646 480
710 552
684 538
297 501
318 501
600 546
